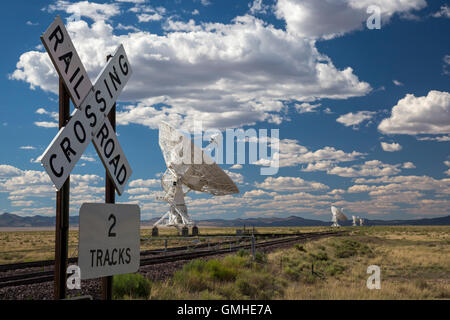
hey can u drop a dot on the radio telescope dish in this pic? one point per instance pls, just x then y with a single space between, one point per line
354 221
361 221
188 166
336 216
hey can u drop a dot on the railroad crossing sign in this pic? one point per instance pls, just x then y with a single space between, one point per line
89 121
109 239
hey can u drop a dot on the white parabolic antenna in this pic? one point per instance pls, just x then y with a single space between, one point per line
195 171
337 215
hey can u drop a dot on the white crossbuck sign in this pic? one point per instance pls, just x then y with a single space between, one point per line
93 102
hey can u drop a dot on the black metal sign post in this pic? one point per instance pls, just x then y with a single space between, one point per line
62 208
110 197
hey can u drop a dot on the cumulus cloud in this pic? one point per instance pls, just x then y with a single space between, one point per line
397 83
237 178
258 7
24 187
446 67
391 147
144 17
306 107
46 124
438 138
354 119
329 19
94 11
419 115
408 165
368 168
291 153
290 184
227 75
444 12
150 183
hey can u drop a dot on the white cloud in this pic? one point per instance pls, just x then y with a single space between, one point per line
149 17
237 178
354 119
329 19
444 12
87 158
138 190
94 11
438 138
46 124
127 28
28 148
446 66
291 153
227 75
8 171
306 107
408 165
149 183
447 163
25 184
368 168
195 12
415 115
258 7
391 147
289 184
132 1
397 83
236 166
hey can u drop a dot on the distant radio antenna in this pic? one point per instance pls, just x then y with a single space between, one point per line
361 221
337 215
354 221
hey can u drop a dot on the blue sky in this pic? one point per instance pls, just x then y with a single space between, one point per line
363 114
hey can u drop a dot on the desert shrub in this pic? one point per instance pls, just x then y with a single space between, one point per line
259 285
230 291
260 257
209 295
334 269
421 284
192 280
219 271
299 247
242 253
294 272
131 285
320 256
348 247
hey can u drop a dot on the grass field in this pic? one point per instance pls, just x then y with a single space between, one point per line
414 262
32 245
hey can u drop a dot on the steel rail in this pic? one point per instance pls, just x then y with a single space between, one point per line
45 276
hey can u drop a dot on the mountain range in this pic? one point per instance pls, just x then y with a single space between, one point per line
11 220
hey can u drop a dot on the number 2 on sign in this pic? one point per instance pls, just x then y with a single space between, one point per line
113 218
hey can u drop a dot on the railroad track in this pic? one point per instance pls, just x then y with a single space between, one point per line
45 276
47 263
